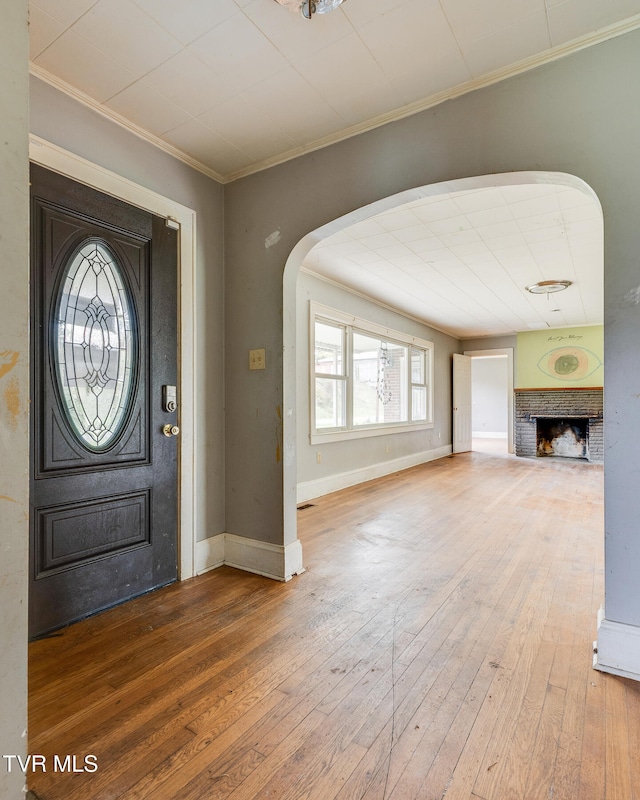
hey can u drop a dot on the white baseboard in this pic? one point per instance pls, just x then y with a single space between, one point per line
617 650
488 434
308 490
209 554
278 562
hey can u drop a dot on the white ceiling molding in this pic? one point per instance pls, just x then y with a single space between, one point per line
123 122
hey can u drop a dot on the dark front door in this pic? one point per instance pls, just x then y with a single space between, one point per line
104 347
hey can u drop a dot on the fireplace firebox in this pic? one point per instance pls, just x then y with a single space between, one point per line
562 437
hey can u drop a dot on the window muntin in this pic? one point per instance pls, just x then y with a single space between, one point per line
367 377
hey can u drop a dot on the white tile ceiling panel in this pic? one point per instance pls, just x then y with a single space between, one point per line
371 103
498 232
396 251
138 46
437 208
429 244
187 25
411 34
78 62
189 83
477 287
277 95
464 239
573 18
508 45
471 252
346 63
140 103
229 121
43 30
411 264
365 258
361 14
470 25
414 82
378 242
239 52
397 220
415 233
65 11
544 204
196 138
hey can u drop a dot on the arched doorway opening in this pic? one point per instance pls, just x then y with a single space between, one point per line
533 213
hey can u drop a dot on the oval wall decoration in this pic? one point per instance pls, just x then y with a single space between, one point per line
94 339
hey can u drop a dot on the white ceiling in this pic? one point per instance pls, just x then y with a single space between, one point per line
233 86
461 261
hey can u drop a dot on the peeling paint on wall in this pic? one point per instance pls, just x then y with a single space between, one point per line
8 360
272 238
633 296
11 396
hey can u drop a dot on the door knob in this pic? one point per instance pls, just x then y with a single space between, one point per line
170 430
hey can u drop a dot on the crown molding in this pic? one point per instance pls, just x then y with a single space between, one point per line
496 76
57 83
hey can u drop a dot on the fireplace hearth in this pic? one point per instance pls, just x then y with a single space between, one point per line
560 423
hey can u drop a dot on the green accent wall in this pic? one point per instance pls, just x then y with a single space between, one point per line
560 358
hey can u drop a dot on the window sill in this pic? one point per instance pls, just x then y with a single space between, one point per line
365 433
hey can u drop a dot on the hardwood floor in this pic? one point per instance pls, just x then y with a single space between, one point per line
438 646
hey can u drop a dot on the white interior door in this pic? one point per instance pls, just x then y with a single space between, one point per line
461 403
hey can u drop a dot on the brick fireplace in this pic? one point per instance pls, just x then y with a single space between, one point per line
565 423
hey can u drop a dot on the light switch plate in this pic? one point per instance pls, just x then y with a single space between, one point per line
257 359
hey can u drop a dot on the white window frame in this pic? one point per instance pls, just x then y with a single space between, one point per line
318 312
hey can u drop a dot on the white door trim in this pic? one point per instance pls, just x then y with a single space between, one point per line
72 166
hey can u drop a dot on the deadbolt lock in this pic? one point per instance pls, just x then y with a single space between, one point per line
170 430
169 399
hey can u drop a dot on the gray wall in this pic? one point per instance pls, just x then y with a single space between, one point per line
14 391
579 115
62 121
489 395
491 343
353 454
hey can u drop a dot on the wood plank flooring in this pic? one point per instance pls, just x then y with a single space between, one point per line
439 645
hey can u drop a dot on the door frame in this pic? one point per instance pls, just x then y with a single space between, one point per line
508 352
79 169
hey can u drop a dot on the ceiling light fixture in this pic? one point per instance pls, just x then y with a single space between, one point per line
310 7
547 287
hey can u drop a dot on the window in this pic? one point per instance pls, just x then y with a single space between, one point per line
367 377
331 378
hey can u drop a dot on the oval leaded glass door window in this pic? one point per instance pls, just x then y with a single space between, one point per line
95 345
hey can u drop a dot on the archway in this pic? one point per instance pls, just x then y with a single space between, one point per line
309 242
